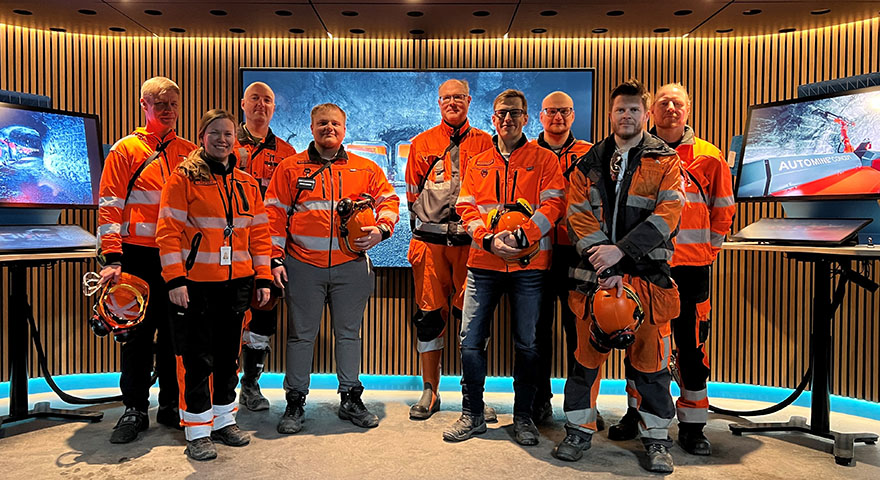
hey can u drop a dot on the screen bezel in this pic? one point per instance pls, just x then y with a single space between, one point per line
808 198
95 164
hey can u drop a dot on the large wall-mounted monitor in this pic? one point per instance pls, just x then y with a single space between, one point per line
386 109
48 158
815 148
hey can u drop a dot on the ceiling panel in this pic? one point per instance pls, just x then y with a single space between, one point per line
778 15
48 14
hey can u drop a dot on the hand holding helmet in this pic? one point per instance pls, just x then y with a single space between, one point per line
356 220
614 319
509 241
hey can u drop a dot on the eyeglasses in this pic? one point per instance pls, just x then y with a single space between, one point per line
551 112
514 113
458 97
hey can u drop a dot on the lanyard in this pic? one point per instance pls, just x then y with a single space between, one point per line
227 202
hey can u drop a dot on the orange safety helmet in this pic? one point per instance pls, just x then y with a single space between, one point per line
120 307
351 216
511 217
615 319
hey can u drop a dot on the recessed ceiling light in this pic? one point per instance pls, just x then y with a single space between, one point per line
19 11
539 30
787 30
236 30
218 13
86 11
752 11
661 30
822 11
724 30
296 30
415 13
349 13
614 13
154 13
682 13
357 31
481 13
116 29
549 13
283 13
416 32
600 30
177 29
478 31
57 29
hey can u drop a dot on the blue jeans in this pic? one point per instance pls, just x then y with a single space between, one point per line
482 293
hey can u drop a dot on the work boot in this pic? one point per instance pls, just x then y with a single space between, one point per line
129 425
659 459
201 449
524 430
600 422
573 446
252 367
231 435
628 428
542 412
169 415
489 414
464 428
428 404
692 439
292 420
352 408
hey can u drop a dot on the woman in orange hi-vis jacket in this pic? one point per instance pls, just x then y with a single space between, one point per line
214 244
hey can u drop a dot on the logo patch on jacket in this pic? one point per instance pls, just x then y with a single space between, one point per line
529 169
307 171
484 173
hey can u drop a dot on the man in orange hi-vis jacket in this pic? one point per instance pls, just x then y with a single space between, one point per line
705 220
515 180
624 206
308 249
258 152
440 244
134 173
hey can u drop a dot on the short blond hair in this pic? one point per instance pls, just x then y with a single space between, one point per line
157 86
675 85
326 106
511 93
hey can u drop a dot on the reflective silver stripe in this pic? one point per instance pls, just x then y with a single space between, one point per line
260 219
487 207
694 395
219 223
575 208
384 198
145 197
631 400
583 275
261 260
653 426
692 236
274 202
433 345
693 197
143 229
550 193
667 349
389 215
595 197
168 212
671 196
476 245
692 415
414 189
581 417
716 239
255 340
660 253
318 244
660 225
173 258
722 202
214 257
640 202
315 205
467 199
590 240
545 244
108 228
108 202
279 241
473 226
542 222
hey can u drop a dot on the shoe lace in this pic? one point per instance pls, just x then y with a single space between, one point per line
357 404
656 448
573 439
131 416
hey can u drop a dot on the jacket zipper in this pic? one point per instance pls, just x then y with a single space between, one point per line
332 213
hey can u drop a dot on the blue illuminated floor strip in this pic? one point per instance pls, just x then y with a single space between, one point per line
849 406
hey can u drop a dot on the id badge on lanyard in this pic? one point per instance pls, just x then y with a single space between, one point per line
226 255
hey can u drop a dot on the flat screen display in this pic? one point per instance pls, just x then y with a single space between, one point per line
816 148
386 109
48 158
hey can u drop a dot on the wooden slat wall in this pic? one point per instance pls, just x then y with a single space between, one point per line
762 301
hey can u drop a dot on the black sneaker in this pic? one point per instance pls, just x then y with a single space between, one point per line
201 449
600 422
628 428
694 441
352 408
231 435
659 459
292 420
489 414
524 430
464 428
129 425
542 413
169 416
428 405
573 446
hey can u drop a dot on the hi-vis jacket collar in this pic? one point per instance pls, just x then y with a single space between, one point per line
649 145
245 137
218 168
315 157
453 131
151 137
568 141
686 139
522 141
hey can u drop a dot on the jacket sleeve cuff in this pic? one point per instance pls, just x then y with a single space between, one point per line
276 262
630 249
386 231
112 258
175 282
262 283
487 242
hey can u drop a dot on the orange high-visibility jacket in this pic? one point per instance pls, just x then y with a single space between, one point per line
308 230
531 173
193 220
431 197
709 208
571 150
260 158
133 220
646 210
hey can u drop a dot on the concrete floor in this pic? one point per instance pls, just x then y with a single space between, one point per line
400 448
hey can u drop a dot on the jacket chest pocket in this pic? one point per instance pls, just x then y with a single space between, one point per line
646 180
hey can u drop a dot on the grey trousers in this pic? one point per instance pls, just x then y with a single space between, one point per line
346 288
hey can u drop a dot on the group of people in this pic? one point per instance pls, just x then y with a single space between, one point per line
219 229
